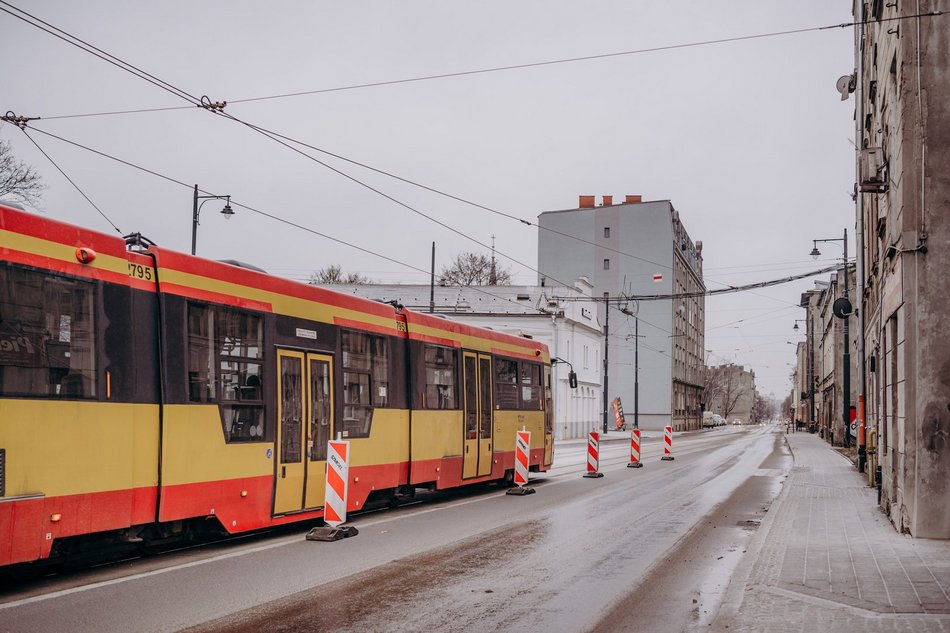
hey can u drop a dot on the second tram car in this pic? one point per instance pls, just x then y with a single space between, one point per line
144 392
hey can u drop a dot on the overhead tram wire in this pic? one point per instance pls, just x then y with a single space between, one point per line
281 141
97 52
199 103
71 181
730 289
205 102
568 60
259 212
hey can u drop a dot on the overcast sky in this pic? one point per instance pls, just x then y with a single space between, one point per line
748 139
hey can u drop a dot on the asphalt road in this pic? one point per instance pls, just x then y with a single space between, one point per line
639 549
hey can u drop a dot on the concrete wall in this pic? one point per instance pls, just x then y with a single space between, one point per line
903 85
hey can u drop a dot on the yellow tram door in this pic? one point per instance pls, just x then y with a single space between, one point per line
477 449
320 376
305 421
548 418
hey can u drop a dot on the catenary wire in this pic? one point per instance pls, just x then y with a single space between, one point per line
178 92
92 50
72 182
552 62
82 45
253 210
166 86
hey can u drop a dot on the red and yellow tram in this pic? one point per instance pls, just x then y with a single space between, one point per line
144 392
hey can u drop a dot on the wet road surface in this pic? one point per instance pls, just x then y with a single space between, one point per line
644 549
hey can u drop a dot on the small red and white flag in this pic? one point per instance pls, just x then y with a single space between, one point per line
657 277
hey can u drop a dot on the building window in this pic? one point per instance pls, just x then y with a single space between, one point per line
606 231
606 264
441 365
225 353
47 335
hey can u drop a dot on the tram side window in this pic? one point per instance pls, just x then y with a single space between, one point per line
47 335
530 386
441 365
506 384
365 380
225 353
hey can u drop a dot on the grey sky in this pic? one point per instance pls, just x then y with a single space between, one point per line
749 139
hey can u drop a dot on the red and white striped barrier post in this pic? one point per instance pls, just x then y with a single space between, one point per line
667 443
635 450
593 456
522 451
334 509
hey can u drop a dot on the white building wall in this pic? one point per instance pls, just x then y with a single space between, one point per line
566 327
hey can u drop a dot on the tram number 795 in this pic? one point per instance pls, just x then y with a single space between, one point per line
140 272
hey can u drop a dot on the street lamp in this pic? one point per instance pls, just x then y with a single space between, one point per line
842 309
227 212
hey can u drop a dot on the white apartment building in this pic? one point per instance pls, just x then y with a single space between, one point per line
654 348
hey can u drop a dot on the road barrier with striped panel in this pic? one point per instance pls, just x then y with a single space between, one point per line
635 450
593 456
334 510
522 451
667 443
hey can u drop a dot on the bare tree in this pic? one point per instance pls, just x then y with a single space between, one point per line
723 389
787 405
712 385
762 408
18 181
334 274
474 269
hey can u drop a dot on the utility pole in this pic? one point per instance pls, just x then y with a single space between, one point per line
493 274
432 282
606 346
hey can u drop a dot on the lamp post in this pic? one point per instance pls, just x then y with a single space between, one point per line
843 310
636 360
227 212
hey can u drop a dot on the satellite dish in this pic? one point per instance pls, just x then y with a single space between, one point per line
842 308
845 85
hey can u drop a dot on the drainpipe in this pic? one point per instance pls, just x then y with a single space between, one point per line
859 201
557 383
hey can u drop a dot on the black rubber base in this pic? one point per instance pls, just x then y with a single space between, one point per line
593 475
520 491
328 533
635 465
667 458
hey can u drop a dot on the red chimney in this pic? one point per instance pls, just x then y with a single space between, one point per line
586 202
608 200
633 199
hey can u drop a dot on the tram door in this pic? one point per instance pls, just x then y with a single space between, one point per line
548 418
305 414
477 457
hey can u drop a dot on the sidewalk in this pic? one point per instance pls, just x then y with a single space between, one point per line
826 559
